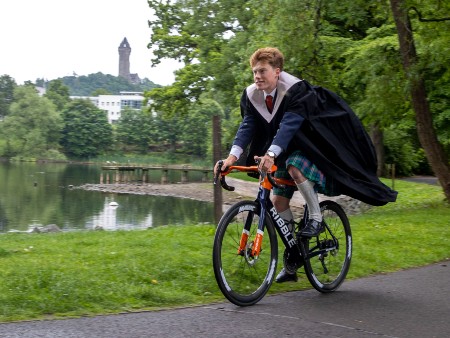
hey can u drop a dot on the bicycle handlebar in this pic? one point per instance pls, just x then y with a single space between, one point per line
222 174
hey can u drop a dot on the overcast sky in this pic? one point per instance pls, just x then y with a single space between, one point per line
55 38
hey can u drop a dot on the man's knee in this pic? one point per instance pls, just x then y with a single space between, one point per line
280 203
296 174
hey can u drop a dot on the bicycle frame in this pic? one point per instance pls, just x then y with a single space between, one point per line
266 207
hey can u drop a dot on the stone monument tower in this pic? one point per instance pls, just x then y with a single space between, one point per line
124 63
124 59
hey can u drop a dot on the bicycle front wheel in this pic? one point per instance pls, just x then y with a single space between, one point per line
330 253
243 278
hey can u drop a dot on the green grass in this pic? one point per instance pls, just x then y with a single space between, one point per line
87 273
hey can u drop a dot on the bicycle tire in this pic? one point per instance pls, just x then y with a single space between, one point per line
244 280
328 270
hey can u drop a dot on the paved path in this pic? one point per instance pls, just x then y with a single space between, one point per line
422 179
411 303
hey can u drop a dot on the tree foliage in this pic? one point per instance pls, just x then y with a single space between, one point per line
58 93
134 130
87 85
33 126
86 132
7 86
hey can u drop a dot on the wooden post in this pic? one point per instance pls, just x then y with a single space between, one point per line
184 176
144 175
165 176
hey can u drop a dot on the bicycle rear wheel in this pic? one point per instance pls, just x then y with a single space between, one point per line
330 253
243 279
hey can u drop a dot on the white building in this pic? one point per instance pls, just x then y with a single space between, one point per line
114 104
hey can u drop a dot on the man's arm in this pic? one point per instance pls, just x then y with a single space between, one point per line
289 126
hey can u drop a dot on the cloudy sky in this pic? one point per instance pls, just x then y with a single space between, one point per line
55 38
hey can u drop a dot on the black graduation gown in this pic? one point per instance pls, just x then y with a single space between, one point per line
335 140
332 137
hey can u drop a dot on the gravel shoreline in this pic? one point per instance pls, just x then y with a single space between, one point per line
197 191
244 190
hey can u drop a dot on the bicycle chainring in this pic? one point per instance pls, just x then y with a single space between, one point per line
290 263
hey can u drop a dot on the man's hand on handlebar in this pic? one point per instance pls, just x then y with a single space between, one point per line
265 162
228 162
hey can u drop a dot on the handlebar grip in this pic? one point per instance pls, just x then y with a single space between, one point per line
219 169
223 183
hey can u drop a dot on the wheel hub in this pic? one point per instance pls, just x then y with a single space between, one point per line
251 260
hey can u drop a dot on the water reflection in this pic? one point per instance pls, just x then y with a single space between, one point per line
107 218
40 194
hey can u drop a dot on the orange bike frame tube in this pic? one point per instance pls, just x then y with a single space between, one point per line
243 242
256 248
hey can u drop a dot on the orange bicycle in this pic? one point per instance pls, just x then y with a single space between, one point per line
245 251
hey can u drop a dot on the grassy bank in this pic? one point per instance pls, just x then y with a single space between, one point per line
82 273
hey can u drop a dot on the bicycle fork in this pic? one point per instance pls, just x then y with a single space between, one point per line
256 245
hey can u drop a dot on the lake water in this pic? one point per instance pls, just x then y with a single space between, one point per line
35 194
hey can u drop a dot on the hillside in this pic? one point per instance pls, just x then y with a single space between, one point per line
86 85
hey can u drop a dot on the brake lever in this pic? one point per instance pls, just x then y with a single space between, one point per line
219 169
223 183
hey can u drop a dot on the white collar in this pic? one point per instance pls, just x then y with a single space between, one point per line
272 93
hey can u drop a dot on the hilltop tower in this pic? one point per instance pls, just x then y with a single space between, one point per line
124 63
124 59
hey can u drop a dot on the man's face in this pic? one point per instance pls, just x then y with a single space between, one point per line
265 76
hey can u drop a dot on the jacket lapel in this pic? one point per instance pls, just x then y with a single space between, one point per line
256 96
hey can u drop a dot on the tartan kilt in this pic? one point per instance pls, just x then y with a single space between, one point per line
323 185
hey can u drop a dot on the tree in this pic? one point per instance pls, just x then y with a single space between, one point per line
58 93
100 91
433 149
86 132
196 128
372 80
134 130
33 126
7 85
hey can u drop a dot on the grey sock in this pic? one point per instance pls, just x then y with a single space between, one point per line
311 198
287 216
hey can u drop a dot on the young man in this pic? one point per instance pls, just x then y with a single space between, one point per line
312 135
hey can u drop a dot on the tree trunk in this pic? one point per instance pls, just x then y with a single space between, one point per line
377 138
427 135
